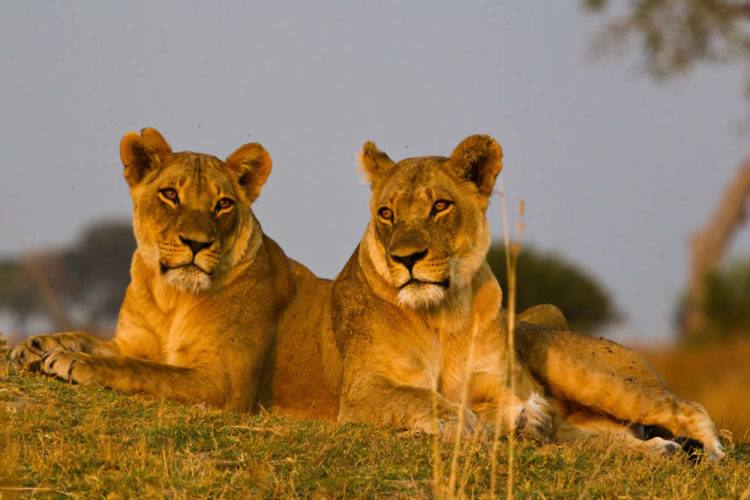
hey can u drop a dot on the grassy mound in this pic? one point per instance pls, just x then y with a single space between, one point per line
57 439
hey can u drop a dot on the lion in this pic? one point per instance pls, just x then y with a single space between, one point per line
207 286
415 310
413 326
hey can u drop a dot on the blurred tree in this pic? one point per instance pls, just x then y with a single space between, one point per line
675 35
545 278
77 287
31 285
16 295
728 300
100 263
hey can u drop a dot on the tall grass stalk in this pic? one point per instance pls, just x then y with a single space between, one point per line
463 408
453 489
438 489
512 251
450 490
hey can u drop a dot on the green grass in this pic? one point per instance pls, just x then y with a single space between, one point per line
57 439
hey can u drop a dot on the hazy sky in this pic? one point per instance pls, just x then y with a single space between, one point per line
616 170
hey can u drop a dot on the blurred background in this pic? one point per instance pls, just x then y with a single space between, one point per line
624 126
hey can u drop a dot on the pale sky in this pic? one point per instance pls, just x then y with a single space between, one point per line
615 169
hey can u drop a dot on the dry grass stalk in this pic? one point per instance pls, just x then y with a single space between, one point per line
438 489
512 251
462 411
33 491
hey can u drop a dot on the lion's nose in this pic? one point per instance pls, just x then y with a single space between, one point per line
196 246
408 259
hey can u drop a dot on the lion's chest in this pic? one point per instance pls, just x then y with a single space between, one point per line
172 335
439 359
454 367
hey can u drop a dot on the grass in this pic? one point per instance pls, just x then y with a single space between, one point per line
57 439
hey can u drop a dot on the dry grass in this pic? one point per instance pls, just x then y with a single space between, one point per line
716 374
57 439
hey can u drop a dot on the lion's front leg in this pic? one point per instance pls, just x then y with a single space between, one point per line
187 385
377 400
29 353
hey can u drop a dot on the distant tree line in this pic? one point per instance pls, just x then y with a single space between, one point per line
80 286
728 300
547 278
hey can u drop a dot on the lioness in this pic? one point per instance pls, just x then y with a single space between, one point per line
415 316
417 290
206 287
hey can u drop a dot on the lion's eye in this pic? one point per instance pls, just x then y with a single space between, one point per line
224 204
170 194
441 205
385 213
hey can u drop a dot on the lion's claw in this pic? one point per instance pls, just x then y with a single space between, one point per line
65 366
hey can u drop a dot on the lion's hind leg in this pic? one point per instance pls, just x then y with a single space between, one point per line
613 380
544 315
687 418
581 425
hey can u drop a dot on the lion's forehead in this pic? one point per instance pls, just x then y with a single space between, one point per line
201 181
416 185
413 188
202 176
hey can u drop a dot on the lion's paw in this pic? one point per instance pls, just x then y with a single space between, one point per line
660 446
446 426
28 354
535 418
73 367
449 426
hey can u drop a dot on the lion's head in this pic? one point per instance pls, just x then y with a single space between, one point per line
428 234
191 211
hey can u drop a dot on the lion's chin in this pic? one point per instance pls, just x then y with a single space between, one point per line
421 295
188 279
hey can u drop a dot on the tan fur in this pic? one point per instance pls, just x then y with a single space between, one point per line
599 386
400 360
206 289
393 343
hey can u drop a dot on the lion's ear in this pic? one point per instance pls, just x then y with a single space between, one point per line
479 159
142 153
373 161
252 165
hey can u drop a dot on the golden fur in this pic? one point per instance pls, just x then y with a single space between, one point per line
396 327
206 285
392 332
599 387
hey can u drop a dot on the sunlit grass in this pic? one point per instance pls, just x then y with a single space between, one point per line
88 441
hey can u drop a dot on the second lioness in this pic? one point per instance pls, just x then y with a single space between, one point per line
414 317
